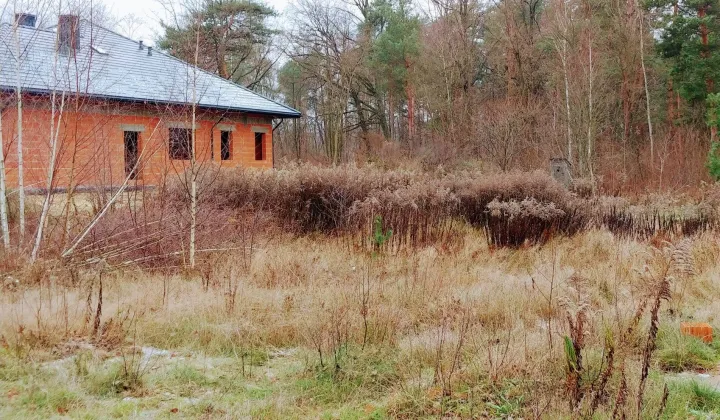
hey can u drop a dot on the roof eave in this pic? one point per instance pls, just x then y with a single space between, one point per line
291 113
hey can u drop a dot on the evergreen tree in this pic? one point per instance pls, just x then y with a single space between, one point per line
234 37
689 42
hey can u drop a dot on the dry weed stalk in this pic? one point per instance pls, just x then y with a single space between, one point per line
231 290
497 353
457 320
365 290
670 263
330 333
599 387
622 394
98 310
549 297
663 402
577 307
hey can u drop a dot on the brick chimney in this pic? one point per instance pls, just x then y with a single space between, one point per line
68 33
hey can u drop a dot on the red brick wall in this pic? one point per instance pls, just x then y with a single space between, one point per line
91 143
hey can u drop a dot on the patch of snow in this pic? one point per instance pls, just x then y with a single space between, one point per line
149 352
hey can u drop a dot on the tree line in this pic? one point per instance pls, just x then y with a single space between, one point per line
618 88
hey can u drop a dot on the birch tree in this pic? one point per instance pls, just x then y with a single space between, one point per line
53 135
4 227
560 41
18 93
193 161
590 78
641 37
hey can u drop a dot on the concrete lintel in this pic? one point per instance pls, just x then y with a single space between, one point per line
257 129
132 127
226 127
180 124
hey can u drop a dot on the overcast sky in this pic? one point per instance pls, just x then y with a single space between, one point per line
138 19
145 15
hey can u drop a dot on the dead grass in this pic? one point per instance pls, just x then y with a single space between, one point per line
318 327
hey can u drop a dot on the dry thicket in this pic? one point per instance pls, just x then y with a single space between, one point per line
420 208
409 209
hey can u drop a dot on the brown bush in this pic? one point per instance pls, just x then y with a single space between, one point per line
515 223
304 197
422 208
418 214
419 207
529 222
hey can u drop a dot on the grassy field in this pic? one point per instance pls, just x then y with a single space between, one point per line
316 327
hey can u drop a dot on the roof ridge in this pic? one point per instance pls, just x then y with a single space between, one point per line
195 66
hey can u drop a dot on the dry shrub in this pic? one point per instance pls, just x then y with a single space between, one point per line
519 208
153 233
476 192
420 208
307 197
11 261
126 236
514 223
583 187
417 215
655 219
13 206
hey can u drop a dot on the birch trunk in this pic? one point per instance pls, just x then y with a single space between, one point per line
562 52
193 180
54 134
4 228
645 81
21 182
567 103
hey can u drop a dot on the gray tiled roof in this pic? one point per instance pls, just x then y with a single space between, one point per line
108 65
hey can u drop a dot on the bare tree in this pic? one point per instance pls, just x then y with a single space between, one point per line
18 92
193 161
4 227
590 77
53 135
641 35
130 25
560 42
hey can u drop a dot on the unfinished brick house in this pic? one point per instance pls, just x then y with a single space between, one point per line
118 110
